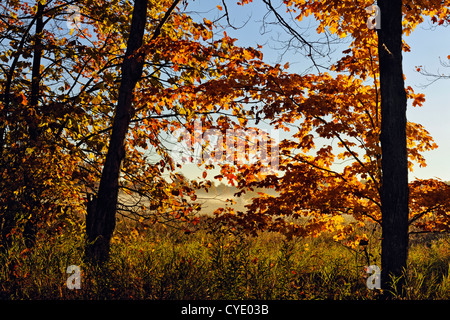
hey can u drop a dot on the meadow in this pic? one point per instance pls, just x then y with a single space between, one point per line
213 262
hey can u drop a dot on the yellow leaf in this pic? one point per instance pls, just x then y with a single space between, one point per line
97 100
248 55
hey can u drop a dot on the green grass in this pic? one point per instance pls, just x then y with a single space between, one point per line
161 263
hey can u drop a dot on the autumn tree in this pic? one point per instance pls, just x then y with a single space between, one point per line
101 215
188 67
394 160
367 133
53 140
36 167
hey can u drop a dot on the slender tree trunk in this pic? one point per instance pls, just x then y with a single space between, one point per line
394 193
101 210
9 218
36 72
101 213
32 192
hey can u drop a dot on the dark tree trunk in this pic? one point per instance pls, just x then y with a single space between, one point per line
394 193
36 72
32 193
101 213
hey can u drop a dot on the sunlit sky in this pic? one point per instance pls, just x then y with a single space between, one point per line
428 46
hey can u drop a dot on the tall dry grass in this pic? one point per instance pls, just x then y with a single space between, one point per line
214 263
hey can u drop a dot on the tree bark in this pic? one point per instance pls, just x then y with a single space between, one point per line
36 72
101 213
32 191
394 192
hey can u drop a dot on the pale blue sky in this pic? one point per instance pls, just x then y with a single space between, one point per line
427 46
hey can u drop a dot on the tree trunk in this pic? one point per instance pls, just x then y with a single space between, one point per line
36 72
394 193
32 191
101 213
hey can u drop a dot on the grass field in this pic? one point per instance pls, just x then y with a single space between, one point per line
161 263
